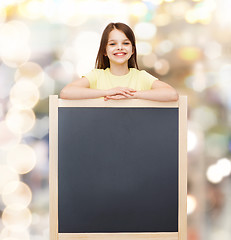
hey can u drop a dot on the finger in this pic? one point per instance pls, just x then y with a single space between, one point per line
122 93
125 93
130 89
117 97
129 93
109 97
121 97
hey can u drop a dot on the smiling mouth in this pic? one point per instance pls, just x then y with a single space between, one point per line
119 54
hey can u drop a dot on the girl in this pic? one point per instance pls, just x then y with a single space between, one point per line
116 75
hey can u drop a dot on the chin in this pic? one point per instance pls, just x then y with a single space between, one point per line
120 62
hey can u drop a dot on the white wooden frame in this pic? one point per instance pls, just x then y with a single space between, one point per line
54 104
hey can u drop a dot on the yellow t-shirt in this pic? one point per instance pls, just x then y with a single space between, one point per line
104 79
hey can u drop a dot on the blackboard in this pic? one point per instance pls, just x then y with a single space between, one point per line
118 168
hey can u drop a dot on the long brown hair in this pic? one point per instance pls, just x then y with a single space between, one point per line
102 61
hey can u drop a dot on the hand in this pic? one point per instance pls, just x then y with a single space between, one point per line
124 91
118 97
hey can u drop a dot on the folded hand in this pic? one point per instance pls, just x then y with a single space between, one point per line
119 93
118 97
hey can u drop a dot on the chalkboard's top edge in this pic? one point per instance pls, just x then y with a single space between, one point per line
119 233
116 103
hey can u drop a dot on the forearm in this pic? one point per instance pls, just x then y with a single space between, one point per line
75 92
158 94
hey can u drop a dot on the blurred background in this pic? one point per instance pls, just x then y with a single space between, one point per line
46 44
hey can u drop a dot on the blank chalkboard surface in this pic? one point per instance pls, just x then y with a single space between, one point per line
117 169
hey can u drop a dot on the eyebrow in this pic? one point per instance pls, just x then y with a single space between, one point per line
112 40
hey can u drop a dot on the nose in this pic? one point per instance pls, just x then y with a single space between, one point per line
119 47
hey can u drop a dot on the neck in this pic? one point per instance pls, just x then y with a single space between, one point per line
119 70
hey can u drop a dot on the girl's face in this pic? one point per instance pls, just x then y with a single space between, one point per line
119 48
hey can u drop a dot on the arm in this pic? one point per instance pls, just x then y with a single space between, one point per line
80 89
160 91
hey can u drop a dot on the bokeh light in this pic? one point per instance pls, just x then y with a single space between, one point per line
16 218
143 48
21 159
19 235
162 66
224 165
32 9
16 55
10 2
223 14
162 19
205 116
156 2
191 204
213 50
65 12
192 140
164 47
20 121
216 144
30 71
16 193
2 15
199 81
6 176
214 174
190 53
74 13
61 71
202 12
14 31
24 95
138 9
179 8
223 84
14 48
86 47
144 30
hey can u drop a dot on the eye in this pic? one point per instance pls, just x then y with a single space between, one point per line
112 44
126 43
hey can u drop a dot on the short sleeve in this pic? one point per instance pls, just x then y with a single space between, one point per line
147 80
92 78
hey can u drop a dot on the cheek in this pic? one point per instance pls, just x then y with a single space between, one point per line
130 49
106 52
